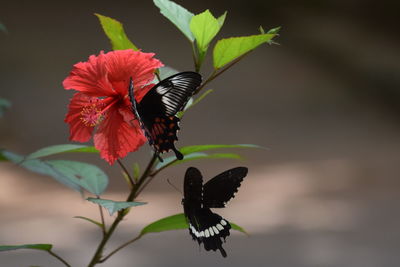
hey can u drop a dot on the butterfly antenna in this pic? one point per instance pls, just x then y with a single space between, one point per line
176 188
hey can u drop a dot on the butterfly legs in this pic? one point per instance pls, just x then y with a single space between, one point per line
178 154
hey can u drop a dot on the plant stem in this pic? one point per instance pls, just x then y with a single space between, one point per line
146 183
218 72
146 173
119 248
121 214
59 258
97 256
103 223
194 55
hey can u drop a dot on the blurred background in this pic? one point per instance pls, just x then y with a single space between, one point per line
325 102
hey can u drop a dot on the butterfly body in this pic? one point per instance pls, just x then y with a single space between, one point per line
157 110
205 226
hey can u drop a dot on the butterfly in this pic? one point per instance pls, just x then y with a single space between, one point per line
157 110
205 226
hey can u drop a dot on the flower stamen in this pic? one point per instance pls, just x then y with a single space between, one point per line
91 115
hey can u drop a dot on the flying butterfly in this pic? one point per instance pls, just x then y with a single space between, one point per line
157 110
205 226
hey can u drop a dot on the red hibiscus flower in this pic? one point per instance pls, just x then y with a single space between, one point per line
102 100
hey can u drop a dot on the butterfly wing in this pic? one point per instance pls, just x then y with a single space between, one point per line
204 226
156 111
210 229
172 93
192 193
192 190
161 133
220 189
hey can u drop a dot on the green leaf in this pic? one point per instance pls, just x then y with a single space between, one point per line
15 158
271 31
126 178
45 247
42 167
2 158
227 50
170 160
194 156
115 32
195 152
238 228
85 149
76 175
274 30
204 27
88 176
221 156
4 104
136 171
114 206
7 156
199 148
56 149
175 222
178 15
90 220
221 19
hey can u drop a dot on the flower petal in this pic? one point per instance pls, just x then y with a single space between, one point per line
90 77
116 137
79 130
124 64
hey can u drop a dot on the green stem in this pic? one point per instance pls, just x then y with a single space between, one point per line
209 79
103 223
195 58
58 258
121 214
146 173
151 176
97 256
162 168
119 248
218 72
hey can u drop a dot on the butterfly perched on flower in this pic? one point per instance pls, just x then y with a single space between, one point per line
157 110
205 226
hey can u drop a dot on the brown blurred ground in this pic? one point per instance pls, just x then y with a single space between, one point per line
326 103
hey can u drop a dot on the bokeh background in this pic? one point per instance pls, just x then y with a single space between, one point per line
325 102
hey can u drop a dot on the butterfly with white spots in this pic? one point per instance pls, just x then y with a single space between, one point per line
205 226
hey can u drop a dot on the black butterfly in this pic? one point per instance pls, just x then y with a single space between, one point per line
204 225
156 111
